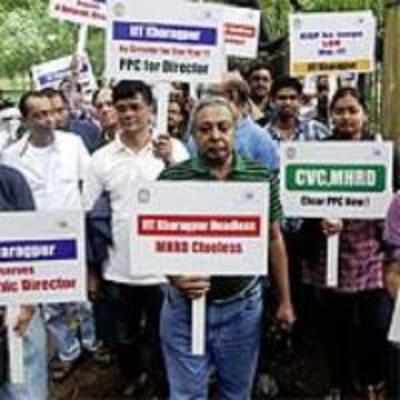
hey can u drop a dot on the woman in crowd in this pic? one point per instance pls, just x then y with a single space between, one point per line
355 315
177 119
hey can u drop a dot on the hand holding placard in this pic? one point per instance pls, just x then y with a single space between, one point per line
192 287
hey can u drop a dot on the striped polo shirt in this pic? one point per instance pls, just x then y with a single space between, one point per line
243 170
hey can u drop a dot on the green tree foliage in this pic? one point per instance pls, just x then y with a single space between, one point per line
277 10
30 36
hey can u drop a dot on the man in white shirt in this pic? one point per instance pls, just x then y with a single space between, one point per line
135 154
54 164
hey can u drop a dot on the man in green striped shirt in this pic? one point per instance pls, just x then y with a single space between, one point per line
234 307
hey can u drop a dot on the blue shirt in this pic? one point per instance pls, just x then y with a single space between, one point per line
99 233
305 131
89 133
252 142
15 193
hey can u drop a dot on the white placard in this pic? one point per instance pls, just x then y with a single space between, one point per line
333 179
332 42
42 257
241 30
90 12
52 73
161 44
198 228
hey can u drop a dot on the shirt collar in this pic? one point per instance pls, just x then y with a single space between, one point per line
24 143
202 168
119 146
275 133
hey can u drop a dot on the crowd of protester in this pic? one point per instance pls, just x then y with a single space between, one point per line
59 152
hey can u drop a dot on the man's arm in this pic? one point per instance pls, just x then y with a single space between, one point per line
93 185
22 194
280 275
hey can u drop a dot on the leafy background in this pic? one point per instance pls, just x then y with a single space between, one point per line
29 36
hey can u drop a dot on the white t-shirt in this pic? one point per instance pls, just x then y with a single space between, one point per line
54 172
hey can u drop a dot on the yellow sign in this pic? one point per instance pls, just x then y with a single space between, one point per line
306 68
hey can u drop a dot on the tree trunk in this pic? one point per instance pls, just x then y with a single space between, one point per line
391 79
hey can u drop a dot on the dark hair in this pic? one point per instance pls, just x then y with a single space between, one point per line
23 101
348 91
183 86
98 91
50 93
257 65
285 82
129 89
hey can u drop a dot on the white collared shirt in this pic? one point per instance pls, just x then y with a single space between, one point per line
53 172
114 168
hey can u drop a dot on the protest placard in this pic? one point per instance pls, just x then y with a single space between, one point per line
336 179
332 42
241 30
42 258
89 12
160 44
214 229
52 73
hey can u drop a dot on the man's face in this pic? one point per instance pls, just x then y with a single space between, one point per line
40 114
134 114
214 134
260 82
105 111
60 112
287 102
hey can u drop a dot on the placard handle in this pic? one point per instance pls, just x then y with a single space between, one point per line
199 326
